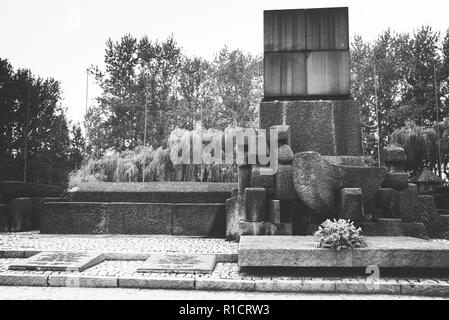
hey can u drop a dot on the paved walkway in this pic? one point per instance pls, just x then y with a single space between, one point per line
49 293
126 253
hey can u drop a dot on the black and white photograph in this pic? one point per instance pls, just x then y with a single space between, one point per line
227 156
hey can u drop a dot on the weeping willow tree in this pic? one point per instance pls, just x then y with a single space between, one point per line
145 164
421 145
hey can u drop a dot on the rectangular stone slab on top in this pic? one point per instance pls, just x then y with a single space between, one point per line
59 261
301 251
306 53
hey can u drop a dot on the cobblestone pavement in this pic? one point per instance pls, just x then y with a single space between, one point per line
120 273
49 293
114 243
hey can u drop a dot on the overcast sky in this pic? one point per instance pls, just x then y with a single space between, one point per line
60 38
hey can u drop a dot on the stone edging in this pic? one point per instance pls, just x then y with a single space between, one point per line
344 286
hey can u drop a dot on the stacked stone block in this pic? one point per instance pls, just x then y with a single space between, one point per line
263 199
396 200
350 204
394 158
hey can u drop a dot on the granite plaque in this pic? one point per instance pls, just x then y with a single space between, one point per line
59 261
179 263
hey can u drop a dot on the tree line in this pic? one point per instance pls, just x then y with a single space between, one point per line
411 73
150 88
34 129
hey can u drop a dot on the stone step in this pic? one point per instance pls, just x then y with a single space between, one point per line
186 219
166 192
301 251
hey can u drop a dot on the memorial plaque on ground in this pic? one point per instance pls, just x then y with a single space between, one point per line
59 261
179 263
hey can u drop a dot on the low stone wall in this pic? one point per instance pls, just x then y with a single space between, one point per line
153 192
20 204
195 219
9 190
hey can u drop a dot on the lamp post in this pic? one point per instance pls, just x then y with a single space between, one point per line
377 114
85 113
25 134
438 119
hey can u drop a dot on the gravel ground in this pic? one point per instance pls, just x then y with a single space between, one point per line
114 243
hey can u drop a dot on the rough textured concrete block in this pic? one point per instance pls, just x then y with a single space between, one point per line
244 178
255 202
153 192
311 125
232 219
328 127
20 212
74 218
285 154
299 251
205 219
285 189
264 228
283 229
396 180
404 201
284 134
394 154
427 201
383 228
139 218
273 211
350 204
247 228
270 114
391 226
38 207
14 189
385 202
415 229
317 181
351 161
262 181
4 218
441 201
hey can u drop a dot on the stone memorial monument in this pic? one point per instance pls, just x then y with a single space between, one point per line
322 173
307 80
